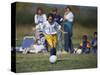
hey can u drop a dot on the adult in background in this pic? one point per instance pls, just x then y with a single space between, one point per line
68 27
59 19
39 19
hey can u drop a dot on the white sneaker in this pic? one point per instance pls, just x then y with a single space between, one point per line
59 54
64 52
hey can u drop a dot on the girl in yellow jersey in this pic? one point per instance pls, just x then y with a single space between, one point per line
50 31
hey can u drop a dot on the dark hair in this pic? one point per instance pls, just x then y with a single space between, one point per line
85 36
55 10
67 7
50 15
39 8
95 33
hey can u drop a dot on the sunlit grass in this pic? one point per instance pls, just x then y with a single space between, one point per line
40 62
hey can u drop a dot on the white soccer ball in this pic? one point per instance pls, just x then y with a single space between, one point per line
79 51
53 59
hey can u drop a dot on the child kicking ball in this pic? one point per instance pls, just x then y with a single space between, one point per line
50 31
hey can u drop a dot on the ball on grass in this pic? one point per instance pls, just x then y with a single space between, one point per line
53 59
79 51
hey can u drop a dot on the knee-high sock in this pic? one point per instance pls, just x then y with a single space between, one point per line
53 51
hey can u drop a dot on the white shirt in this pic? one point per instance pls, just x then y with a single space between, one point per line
51 28
39 27
40 18
69 17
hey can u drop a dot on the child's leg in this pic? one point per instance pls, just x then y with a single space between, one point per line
53 51
46 45
54 42
83 50
49 40
95 50
87 50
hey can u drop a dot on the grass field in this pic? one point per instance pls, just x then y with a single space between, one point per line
40 62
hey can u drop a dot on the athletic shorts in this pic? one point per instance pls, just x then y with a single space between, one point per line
52 40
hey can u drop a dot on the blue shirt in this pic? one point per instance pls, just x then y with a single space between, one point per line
57 18
93 42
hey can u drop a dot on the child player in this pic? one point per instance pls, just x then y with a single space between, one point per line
94 43
85 44
50 31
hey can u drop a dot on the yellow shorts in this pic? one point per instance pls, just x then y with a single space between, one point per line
52 40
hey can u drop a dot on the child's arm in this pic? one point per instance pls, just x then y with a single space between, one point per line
93 43
45 18
34 29
60 28
63 31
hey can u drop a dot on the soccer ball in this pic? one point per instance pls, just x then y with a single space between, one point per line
79 51
53 59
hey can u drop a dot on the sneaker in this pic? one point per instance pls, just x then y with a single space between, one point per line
64 52
59 55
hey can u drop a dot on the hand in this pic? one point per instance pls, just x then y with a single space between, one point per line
65 32
33 29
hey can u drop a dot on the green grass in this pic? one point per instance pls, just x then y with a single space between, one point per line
40 62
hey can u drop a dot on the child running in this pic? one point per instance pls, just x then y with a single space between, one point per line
50 31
